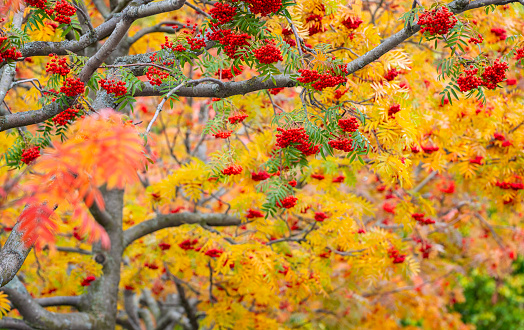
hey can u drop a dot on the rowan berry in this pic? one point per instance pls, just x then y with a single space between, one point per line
188 244
499 32
118 88
318 176
429 149
298 138
164 246
477 40
391 74
65 117
345 145
63 12
264 8
8 53
57 65
222 134
352 22
287 202
327 80
72 87
348 125
232 170
320 216
251 214
260 176
237 118
214 253
339 179
425 249
393 110
437 21
223 13
308 76
494 74
470 80
275 91
155 76
37 3
394 254
268 54
292 183
232 42
226 73
30 154
477 160
519 53
87 281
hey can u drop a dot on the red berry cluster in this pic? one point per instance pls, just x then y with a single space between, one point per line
29 155
292 183
87 281
232 42
508 185
37 3
287 202
348 125
437 21
477 160
391 74
499 137
188 244
226 74
164 246
8 53
260 176
65 117
470 80
352 22
57 65
223 13
76 234
222 134
308 76
419 217
494 74
477 40
298 138
155 76
170 45
499 32
318 176
393 110
214 253
342 144
327 80
339 93
114 87
339 179
320 216
251 214
429 149
237 118
275 91
425 247
232 170
268 54
264 8
72 87
394 254
63 10
196 43
316 27
519 53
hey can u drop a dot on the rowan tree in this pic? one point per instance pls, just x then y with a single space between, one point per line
257 165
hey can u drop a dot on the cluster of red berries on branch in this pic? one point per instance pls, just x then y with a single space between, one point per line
316 25
292 183
214 253
339 179
477 40
260 176
393 110
419 217
507 185
342 144
232 170
348 125
477 160
500 33
519 53
276 91
223 13
30 154
164 246
491 76
437 21
63 11
352 22
391 74
8 53
232 42
76 234
318 176
222 134
320 216
287 202
298 138
251 214
394 254
57 65
155 76
470 80
170 45
425 247
268 54
87 281
227 74
151 266
429 149
72 87
236 119
188 244
37 3
65 117
308 76
320 81
118 88
339 93
264 8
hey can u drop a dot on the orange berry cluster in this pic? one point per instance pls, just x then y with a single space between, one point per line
118 88
65 116
419 217
508 185
232 42
222 134
37 3
9 53
30 154
348 125
264 7
308 76
429 149
477 160
298 138
268 54
226 73
342 144
287 202
63 10
437 21
519 53
223 13
470 80
494 74
232 170
57 65
72 87
237 118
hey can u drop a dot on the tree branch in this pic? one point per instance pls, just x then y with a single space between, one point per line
13 324
74 301
13 255
177 219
